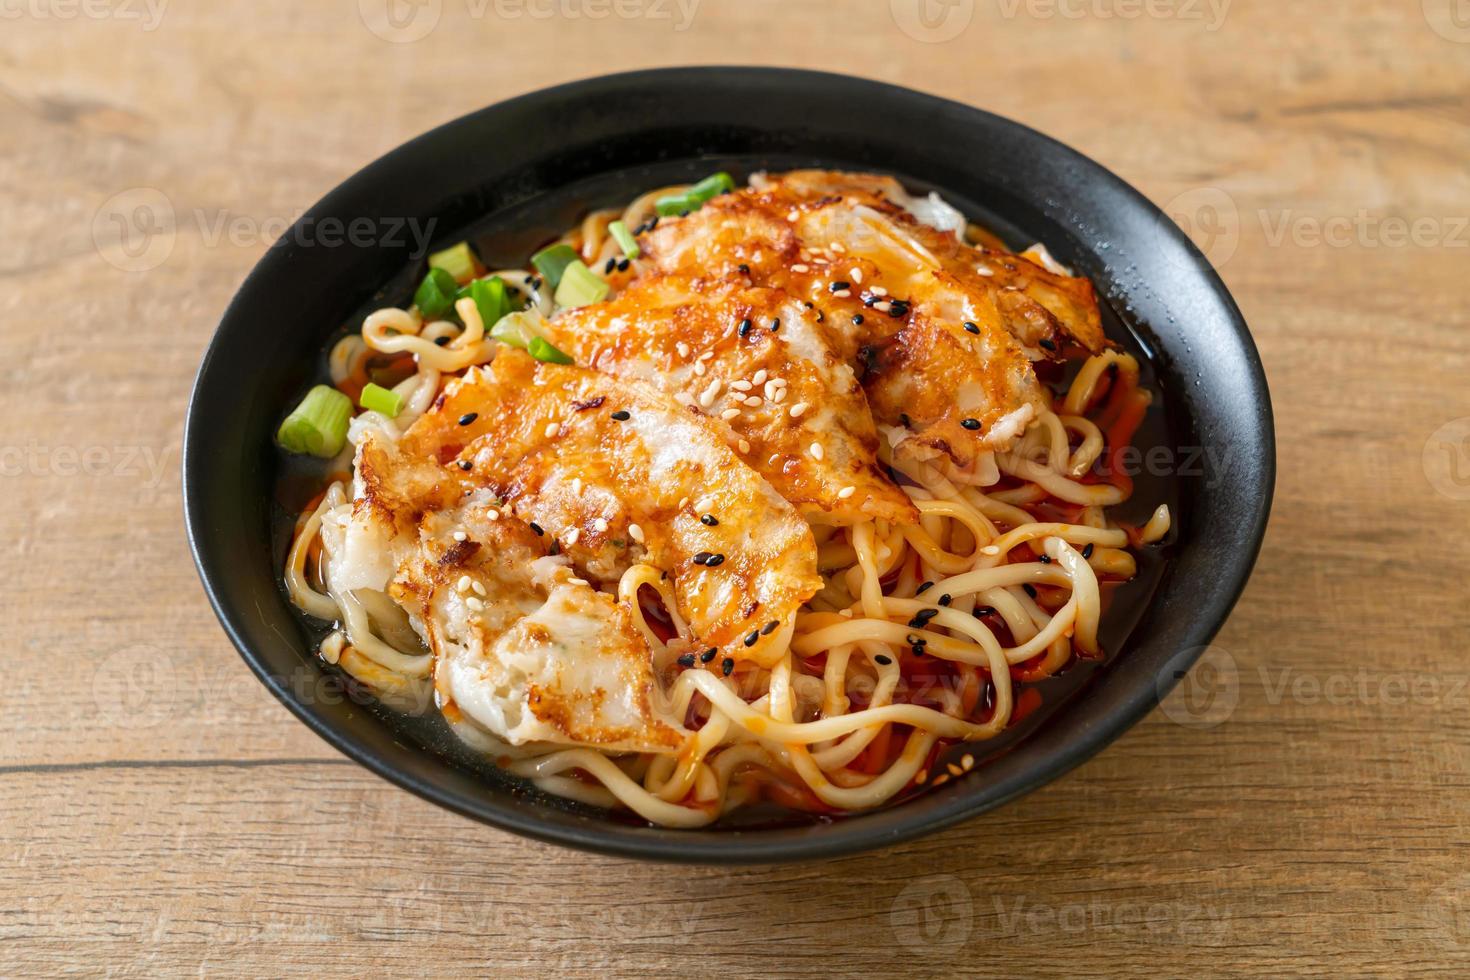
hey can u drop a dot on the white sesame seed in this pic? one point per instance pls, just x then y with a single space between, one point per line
801 267
491 514
706 355
968 762
475 604
683 502
479 589
463 584
682 348
708 396
635 532
792 216
578 581
836 247
460 536
741 385
754 401
757 256
955 770
599 525
846 492
984 271
883 306
744 446
798 410
817 451
577 485
552 430
699 368
775 458
759 378
843 293
730 413
878 291
573 535
770 389
779 381
855 274
779 396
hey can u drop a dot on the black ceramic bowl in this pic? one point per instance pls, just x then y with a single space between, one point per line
513 173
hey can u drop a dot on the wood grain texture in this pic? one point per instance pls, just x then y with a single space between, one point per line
161 814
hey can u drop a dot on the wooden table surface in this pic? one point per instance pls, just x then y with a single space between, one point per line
160 813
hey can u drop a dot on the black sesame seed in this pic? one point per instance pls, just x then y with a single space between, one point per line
709 655
653 222
687 660
973 328
710 520
744 327
466 465
751 637
770 627
702 558
537 528
1044 559
441 341
917 651
971 424
922 617
869 300
884 660
715 560
946 599
623 265
775 324
924 588
744 269
610 266
468 417
1047 344
857 319
1087 550
839 285
1030 589
621 416
726 666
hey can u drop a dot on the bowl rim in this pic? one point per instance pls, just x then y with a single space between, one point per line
729 846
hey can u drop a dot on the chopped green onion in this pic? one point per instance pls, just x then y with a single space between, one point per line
376 398
435 295
712 186
580 286
516 329
490 297
319 424
552 262
676 205
541 349
624 238
458 260
693 198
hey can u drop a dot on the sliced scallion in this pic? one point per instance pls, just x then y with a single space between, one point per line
491 299
435 295
712 186
552 262
541 349
516 329
693 199
676 205
376 398
318 425
580 286
457 260
624 238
